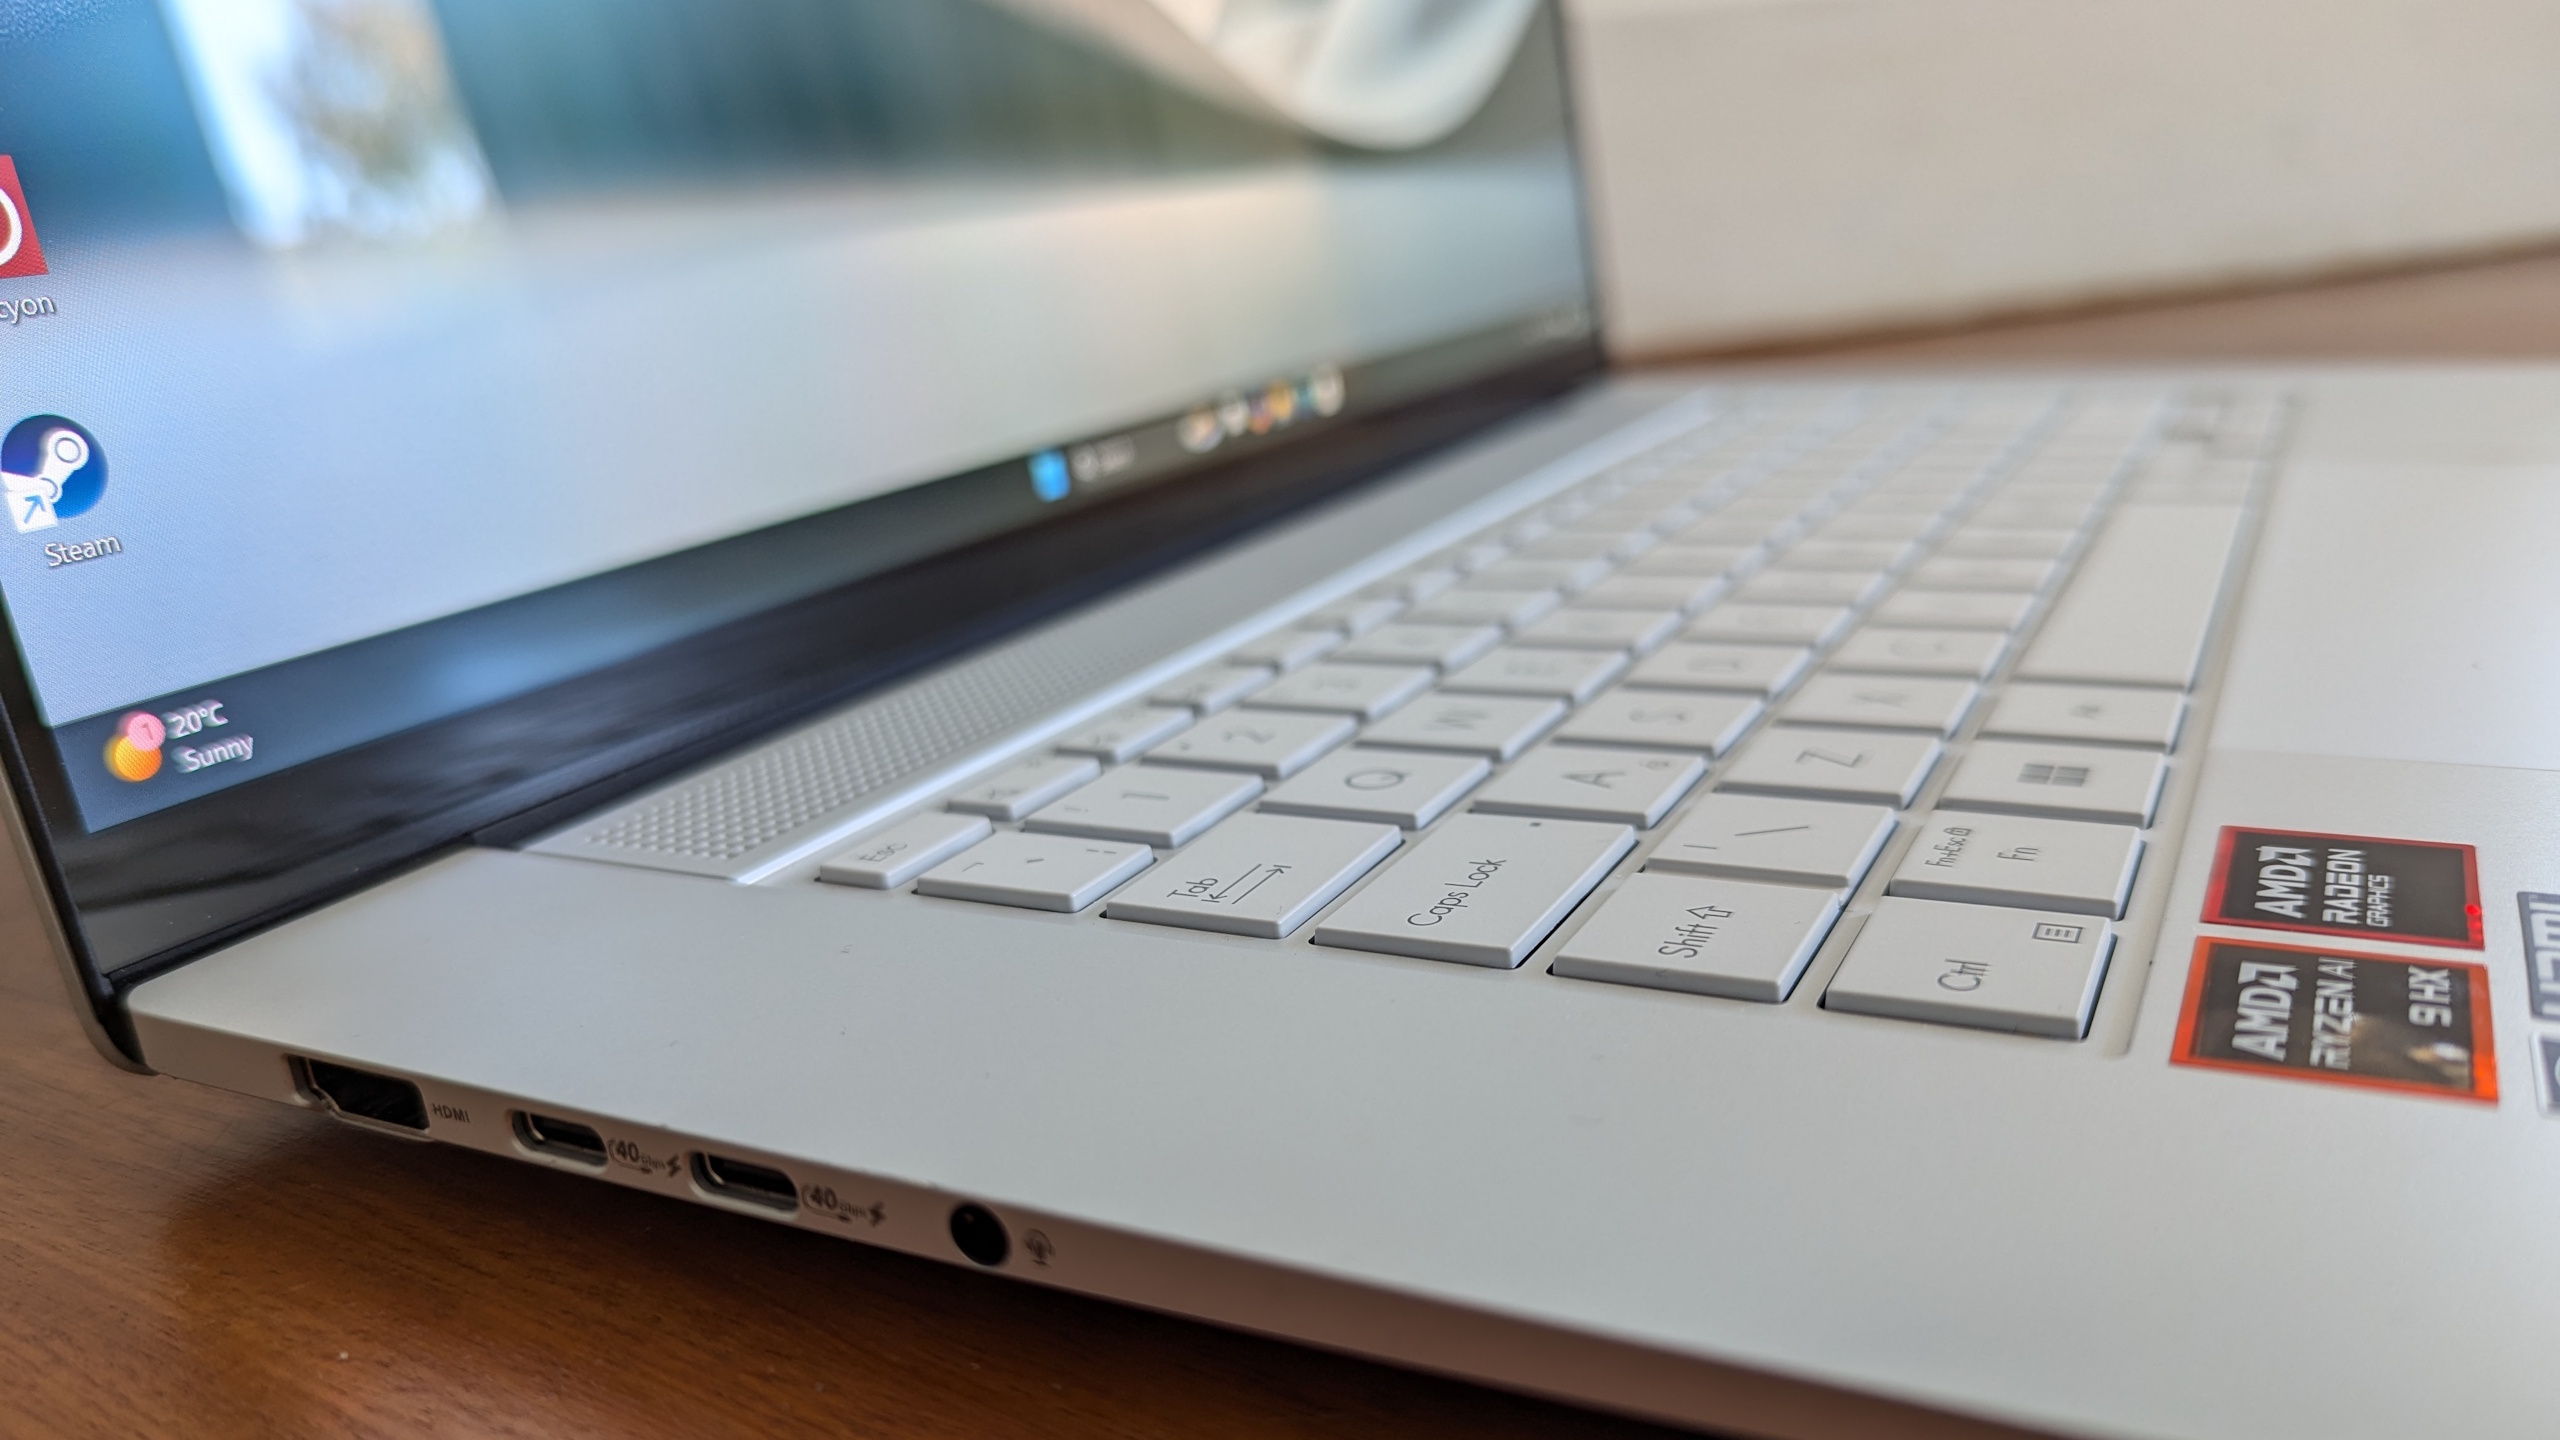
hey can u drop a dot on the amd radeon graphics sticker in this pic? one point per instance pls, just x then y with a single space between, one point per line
2415 1025
2420 891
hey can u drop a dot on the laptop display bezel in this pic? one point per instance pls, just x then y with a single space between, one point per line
229 864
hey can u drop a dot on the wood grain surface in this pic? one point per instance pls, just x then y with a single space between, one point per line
180 1261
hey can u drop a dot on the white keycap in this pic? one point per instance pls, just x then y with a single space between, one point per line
1576 628
1476 555
1917 489
1865 557
1621 519
2013 860
2071 782
1697 561
1652 593
1954 609
1479 890
1574 675
1772 624
1787 842
1386 787
1125 733
1671 720
1572 545
1704 937
1984 543
1036 872
1149 804
1367 691
1962 572
1770 505
1354 617
1274 744
1570 576
1569 782
1286 650
1913 504
1499 726
1408 643
2024 971
1809 587
1510 609
2089 712
2027 512
1633 544
1971 654
1883 702
1864 525
887 859
2139 610
1416 586
1709 665
1258 875
1025 786
1213 688
1738 534
1834 765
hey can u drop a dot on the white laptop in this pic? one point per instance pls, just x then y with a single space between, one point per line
921 620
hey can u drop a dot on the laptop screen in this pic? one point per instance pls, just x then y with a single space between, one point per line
353 345
424 420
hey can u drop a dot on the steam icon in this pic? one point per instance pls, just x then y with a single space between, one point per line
50 470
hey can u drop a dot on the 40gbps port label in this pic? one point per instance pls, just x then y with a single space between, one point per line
2416 1025
2424 892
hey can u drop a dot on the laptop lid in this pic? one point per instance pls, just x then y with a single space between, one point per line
427 418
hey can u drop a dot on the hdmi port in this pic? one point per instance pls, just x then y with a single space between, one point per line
559 1139
371 1100
724 1179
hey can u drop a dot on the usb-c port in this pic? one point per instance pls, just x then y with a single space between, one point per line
724 1179
559 1139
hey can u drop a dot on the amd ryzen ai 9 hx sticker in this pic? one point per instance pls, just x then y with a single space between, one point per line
2420 891
2420 1025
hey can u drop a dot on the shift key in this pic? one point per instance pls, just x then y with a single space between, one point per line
1480 890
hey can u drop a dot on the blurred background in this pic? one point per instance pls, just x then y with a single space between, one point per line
1783 171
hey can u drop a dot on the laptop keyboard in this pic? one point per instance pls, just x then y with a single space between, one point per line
1707 687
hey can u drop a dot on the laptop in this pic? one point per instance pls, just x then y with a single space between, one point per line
1034 633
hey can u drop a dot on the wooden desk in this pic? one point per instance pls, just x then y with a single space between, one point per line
174 1260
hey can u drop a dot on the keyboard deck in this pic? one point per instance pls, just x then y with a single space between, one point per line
1709 686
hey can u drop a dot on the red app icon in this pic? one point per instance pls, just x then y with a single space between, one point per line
19 252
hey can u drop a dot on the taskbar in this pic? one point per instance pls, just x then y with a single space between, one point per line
166 750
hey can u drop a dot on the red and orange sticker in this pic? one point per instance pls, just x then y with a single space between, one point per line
2423 892
2372 1020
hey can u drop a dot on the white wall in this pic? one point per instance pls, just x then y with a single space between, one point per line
1771 169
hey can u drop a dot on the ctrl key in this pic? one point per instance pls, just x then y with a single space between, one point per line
1036 872
2029 972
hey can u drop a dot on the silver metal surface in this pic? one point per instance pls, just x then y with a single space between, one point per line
1664 1203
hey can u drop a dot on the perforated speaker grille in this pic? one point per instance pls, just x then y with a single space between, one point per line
772 793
